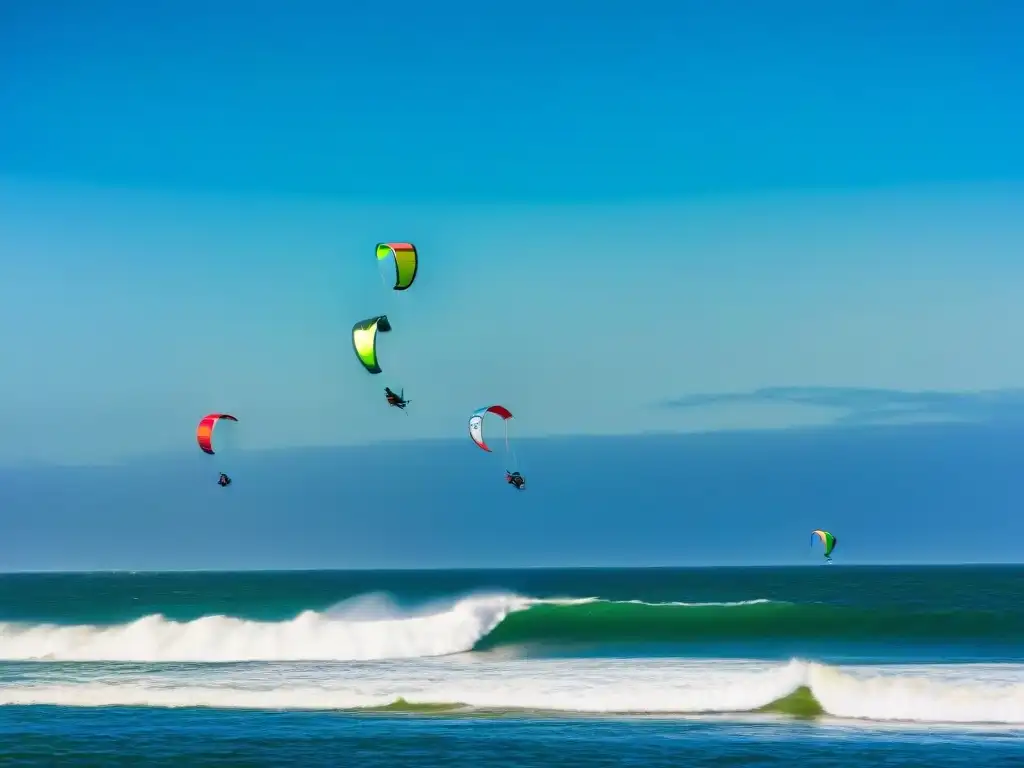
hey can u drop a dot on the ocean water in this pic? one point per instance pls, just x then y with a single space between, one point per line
830 665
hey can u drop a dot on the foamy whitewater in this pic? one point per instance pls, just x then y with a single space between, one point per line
367 653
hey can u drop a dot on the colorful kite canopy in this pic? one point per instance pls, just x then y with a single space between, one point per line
476 424
204 432
364 340
828 541
406 261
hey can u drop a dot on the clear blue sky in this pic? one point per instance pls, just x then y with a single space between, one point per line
617 204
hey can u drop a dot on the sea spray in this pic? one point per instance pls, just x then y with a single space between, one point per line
311 636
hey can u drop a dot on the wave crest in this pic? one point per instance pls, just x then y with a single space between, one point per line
366 628
372 627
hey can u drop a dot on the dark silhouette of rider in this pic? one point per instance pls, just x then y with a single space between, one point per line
223 481
515 479
395 401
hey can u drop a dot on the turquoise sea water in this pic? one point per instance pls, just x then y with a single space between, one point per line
833 665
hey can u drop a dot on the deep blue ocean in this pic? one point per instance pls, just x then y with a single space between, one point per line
828 666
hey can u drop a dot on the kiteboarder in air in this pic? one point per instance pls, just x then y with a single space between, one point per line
224 481
396 401
515 479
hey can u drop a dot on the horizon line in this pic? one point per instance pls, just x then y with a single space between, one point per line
472 569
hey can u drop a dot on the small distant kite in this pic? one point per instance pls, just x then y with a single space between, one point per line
476 432
827 540
205 437
405 259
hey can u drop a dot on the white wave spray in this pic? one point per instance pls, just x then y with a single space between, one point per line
979 694
364 628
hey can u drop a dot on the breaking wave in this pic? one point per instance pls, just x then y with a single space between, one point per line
363 628
963 694
371 627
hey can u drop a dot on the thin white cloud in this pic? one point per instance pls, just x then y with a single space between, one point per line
857 406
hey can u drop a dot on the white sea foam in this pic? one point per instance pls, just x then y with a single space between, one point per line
364 628
968 693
